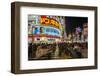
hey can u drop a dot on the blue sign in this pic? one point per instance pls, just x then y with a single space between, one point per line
46 30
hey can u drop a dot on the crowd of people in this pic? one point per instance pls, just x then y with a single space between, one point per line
57 51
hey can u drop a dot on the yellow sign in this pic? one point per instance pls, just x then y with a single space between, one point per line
50 21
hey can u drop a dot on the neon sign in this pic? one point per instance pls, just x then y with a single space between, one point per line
50 21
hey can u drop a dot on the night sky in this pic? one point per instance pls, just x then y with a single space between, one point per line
72 22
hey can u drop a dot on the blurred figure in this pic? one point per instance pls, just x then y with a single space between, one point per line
85 32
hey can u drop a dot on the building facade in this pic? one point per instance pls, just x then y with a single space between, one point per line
47 29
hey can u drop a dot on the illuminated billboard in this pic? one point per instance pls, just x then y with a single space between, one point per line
46 30
50 21
46 26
